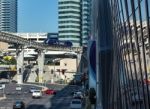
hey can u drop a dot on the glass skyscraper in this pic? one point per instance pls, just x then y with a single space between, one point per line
8 15
73 17
86 21
69 21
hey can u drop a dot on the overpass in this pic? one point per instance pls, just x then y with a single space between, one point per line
40 48
10 38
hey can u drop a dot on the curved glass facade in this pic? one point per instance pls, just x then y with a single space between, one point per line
69 14
86 21
74 20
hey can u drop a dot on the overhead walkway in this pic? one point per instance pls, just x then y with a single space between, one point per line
10 38
40 49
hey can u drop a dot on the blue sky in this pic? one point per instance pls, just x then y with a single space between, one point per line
37 16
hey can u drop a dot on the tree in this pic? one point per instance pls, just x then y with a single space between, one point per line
9 59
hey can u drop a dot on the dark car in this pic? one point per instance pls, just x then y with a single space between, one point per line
19 105
13 81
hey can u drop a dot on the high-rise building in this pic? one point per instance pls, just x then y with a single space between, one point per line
8 15
69 21
86 21
74 21
8 19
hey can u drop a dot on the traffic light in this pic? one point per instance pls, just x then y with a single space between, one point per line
92 96
19 70
52 71
63 71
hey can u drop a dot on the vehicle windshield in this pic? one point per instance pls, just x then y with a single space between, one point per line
37 91
18 86
18 102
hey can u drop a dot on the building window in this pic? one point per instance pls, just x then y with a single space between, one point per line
65 64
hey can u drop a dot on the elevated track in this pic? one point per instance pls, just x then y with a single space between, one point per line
10 38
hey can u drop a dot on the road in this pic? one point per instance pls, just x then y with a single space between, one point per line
59 101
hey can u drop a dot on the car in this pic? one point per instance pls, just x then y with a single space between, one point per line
77 95
50 92
18 88
32 89
136 97
1 86
19 105
13 81
76 104
37 94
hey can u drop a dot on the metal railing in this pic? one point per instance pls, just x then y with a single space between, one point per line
122 32
132 61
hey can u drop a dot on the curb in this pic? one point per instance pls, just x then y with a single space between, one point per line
34 85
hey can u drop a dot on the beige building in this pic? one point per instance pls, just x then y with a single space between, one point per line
3 46
65 71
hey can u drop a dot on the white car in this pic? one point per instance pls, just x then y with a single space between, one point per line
78 95
36 94
1 86
32 89
136 95
76 104
136 98
18 88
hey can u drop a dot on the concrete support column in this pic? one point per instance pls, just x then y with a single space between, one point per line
41 58
78 62
20 62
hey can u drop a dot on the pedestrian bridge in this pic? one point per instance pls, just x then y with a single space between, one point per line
40 51
19 41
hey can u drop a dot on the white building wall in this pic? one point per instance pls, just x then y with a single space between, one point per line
67 63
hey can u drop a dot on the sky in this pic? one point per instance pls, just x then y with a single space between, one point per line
37 15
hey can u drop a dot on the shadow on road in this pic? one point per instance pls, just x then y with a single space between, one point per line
63 97
36 106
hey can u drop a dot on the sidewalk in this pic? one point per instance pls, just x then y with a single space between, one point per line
87 103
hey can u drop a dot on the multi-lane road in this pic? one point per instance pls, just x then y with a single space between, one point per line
59 101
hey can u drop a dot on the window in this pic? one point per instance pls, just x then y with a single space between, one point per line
65 64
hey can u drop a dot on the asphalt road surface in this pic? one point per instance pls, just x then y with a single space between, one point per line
59 101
